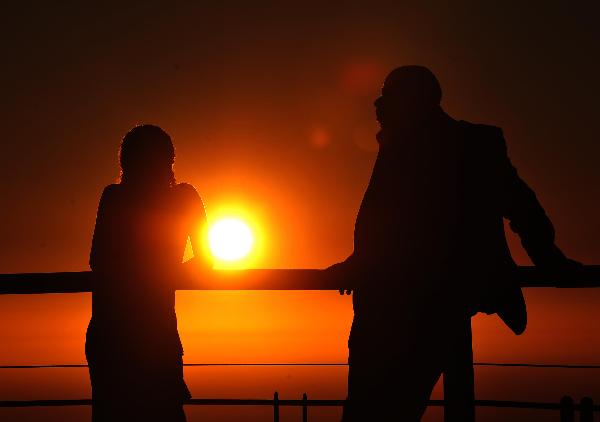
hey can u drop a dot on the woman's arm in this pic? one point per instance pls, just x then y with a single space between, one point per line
98 253
198 229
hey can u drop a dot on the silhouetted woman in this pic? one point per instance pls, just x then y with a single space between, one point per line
143 223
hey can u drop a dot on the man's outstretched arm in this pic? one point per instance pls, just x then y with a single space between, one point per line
527 216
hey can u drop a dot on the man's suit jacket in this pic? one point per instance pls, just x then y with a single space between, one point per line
433 216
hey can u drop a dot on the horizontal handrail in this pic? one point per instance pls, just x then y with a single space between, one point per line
273 279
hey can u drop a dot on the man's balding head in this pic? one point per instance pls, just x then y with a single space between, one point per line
416 84
409 95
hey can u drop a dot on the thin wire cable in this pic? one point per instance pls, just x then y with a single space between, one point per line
517 365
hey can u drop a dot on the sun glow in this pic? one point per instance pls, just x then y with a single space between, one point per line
230 239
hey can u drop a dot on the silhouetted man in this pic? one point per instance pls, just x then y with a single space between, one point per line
429 239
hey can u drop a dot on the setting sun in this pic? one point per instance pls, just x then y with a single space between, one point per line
230 239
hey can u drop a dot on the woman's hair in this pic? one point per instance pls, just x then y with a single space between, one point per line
146 156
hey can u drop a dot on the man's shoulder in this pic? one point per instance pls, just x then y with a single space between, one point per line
483 136
481 130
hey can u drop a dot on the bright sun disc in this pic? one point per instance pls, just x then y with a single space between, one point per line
230 239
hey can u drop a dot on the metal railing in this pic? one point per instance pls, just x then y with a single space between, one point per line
78 282
567 407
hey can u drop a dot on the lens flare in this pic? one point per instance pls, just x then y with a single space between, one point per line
230 239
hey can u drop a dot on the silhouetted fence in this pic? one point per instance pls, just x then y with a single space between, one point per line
79 282
566 407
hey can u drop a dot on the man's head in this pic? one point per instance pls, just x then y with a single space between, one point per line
408 97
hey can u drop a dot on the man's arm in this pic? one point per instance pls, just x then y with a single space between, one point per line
526 215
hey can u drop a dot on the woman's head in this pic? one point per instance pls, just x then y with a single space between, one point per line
146 157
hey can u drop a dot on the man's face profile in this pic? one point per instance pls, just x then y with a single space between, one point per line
397 112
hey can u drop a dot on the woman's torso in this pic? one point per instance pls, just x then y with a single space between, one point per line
139 242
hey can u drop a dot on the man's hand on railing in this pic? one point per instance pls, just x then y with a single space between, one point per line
572 265
552 262
563 271
570 269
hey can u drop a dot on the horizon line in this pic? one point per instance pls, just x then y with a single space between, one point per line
497 364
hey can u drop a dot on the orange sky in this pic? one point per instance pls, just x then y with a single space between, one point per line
271 108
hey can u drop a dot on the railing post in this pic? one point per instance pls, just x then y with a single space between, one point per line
567 409
276 407
304 408
586 410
